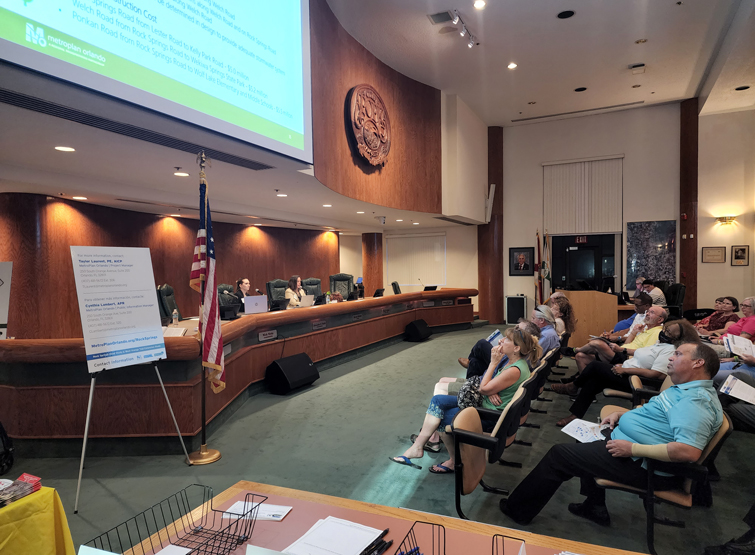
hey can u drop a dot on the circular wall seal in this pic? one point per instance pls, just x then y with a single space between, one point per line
370 124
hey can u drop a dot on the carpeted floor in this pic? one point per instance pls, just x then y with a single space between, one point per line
336 437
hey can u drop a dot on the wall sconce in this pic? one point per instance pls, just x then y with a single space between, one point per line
726 220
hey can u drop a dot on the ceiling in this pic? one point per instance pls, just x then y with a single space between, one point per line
702 47
592 49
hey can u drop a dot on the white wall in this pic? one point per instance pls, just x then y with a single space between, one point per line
726 187
350 254
647 137
461 258
464 151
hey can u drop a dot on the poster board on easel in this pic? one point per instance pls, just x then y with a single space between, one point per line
6 270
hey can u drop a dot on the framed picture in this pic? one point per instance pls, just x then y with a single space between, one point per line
521 261
740 255
715 255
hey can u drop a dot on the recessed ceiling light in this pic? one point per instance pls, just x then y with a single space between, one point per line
742 88
530 103
257 225
340 233
636 86
360 212
327 205
512 65
181 174
640 41
79 198
415 223
399 220
175 215
580 89
282 195
565 14
479 4
65 149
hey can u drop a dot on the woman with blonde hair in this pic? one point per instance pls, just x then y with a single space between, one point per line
497 387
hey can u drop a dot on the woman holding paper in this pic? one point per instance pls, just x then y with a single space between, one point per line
497 387
745 327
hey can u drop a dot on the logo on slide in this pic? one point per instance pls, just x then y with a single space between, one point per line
35 35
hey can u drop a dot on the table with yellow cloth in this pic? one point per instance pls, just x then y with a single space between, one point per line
35 524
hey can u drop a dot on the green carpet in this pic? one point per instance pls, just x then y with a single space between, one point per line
335 438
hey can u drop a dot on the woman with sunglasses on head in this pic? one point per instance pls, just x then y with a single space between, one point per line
722 319
497 386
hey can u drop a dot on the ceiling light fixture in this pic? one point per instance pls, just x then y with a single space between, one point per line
327 206
463 30
580 89
179 173
282 195
479 4
512 65
79 198
175 215
415 223
470 44
640 41
360 212
636 86
565 14
742 88
65 149
399 220
257 225
455 19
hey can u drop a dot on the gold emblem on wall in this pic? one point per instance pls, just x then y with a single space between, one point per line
370 124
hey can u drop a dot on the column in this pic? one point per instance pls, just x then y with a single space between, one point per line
490 238
688 201
372 262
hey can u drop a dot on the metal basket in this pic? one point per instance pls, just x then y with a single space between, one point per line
424 538
498 544
186 519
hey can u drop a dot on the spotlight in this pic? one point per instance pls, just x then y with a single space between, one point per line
470 44
479 4
455 20
512 65
463 30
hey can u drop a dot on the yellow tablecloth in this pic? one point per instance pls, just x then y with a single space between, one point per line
35 525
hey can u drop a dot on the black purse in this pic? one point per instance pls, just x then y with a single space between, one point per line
469 393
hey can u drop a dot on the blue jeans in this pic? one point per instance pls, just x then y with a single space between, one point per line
444 407
727 369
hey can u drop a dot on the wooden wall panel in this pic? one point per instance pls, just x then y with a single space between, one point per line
411 176
372 262
688 145
490 260
37 233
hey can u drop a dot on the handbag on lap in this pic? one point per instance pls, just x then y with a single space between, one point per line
469 393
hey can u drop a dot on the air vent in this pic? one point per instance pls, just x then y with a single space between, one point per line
580 111
440 17
452 220
51 109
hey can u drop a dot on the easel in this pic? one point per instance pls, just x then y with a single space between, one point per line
86 430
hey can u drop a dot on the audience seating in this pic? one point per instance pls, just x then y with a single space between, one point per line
470 444
697 314
693 474
312 286
396 288
642 389
675 299
564 338
276 290
342 283
168 300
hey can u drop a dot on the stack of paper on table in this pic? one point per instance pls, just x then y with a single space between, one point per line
334 536
265 512
584 431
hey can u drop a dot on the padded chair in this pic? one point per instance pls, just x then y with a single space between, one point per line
697 314
694 474
642 390
342 283
312 286
396 288
227 289
160 306
675 299
168 299
276 289
564 338
470 444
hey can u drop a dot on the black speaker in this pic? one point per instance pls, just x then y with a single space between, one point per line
417 331
286 374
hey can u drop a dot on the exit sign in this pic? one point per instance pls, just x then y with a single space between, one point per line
580 239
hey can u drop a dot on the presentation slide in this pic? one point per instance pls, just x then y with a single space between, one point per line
243 63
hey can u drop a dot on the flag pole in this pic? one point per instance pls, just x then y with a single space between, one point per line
204 455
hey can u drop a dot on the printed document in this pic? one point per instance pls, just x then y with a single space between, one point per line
334 536
737 388
584 431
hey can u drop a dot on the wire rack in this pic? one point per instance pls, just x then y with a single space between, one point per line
499 547
424 538
187 519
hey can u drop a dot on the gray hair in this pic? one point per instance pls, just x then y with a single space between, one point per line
544 312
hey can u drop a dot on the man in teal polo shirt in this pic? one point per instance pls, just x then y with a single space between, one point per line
673 426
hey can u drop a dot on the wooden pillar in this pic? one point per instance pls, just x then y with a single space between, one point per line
372 262
490 238
688 201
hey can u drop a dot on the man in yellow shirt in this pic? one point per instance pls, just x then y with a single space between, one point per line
639 336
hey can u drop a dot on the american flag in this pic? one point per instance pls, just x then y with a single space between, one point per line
203 270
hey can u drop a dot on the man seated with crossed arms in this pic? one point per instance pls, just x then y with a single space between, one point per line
674 426
602 349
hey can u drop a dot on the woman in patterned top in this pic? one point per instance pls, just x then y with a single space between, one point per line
720 321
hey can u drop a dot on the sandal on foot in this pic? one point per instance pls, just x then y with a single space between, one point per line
404 461
440 469
429 445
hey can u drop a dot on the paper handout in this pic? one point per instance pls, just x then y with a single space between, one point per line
333 536
737 388
584 431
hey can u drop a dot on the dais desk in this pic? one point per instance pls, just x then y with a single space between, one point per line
44 384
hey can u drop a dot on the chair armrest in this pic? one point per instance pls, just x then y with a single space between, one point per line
693 471
608 409
488 414
475 439
643 394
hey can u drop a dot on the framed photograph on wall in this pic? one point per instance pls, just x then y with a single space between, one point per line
740 255
714 255
521 261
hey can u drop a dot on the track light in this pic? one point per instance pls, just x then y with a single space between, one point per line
470 44
455 20
463 30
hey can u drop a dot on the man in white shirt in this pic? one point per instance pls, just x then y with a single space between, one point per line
659 299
